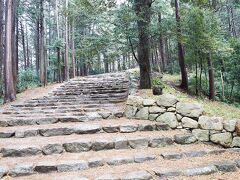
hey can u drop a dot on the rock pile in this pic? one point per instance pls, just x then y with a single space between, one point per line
178 115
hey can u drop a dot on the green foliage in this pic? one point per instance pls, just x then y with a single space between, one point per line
157 82
27 79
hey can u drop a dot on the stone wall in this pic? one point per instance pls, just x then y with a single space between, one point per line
169 111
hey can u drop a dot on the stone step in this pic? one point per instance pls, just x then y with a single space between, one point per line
105 126
84 88
112 163
54 109
6 121
62 107
82 102
102 86
15 147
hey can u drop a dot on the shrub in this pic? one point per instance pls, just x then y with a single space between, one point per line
27 79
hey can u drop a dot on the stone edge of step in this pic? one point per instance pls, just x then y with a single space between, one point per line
92 129
66 166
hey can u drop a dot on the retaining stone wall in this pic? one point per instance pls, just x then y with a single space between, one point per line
177 115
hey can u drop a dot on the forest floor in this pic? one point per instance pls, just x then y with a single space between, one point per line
32 93
212 108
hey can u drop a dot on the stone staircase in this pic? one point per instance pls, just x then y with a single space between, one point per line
79 132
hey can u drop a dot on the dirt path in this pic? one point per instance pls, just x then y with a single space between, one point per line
32 93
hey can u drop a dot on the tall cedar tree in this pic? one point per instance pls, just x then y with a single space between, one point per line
184 83
143 12
10 91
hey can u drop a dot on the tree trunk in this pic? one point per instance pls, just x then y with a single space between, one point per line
14 44
27 49
143 11
105 59
10 93
43 79
161 43
66 68
211 78
73 51
1 44
184 83
37 44
23 46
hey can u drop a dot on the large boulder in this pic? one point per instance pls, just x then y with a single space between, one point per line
148 102
201 135
189 123
156 110
136 101
167 100
236 142
187 138
224 139
189 109
142 114
168 118
238 127
130 111
211 123
230 125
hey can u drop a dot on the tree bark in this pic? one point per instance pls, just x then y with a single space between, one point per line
43 79
73 51
27 49
143 11
10 92
184 83
66 68
23 46
14 43
161 43
211 78
37 43
1 43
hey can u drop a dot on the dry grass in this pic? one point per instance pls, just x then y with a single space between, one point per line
212 108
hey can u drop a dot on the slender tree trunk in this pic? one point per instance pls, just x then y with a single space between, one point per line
105 59
37 44
66 68
143 11
42 46
211 78
14 44
23 46
10 92
1 44
27 49
73 51
58 48
161 43
184 83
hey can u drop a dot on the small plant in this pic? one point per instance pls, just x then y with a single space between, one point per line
157 82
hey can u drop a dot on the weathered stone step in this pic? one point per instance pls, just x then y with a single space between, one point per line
84 90
58 129
62 107
95 100
32 146
126 166
101 158
8 121
51 111
83 87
